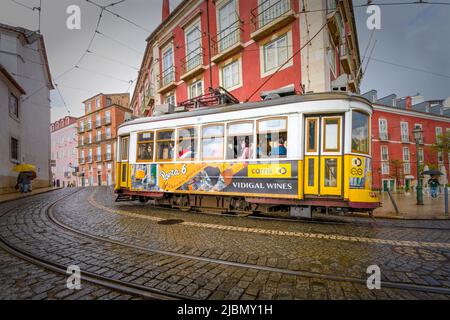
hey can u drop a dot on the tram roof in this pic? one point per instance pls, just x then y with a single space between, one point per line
251 105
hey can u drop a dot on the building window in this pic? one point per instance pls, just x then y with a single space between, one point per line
99 154
385 167
170 99
231 75
89 138
13 106
405 154
275 53
419 126
383 129
193 47
332 58
168 73
108 133
98 121
384 153
196 89
407 168
108 152
228 25
99 136
108 117
360 132
14 147
97 102
404 131
88 107
438 134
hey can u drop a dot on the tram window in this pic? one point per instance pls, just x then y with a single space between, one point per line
240 140
187 144
124 149
165 141
331 134
311 180
360 132
330 172
272 138
145 146
212 142
312 135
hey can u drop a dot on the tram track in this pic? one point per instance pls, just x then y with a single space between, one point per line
152 293
90 277
307 274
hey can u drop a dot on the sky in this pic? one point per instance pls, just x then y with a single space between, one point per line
414 36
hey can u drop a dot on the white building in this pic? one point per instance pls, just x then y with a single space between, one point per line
25 84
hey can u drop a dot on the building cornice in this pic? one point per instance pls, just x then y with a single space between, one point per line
413 113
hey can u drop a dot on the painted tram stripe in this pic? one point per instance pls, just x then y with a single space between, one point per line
310 235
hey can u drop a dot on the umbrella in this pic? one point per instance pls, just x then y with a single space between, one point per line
432 173
24 168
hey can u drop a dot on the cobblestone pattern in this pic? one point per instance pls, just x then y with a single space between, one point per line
27 226
425 266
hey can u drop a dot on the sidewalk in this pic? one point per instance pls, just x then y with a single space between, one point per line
17 195
406 203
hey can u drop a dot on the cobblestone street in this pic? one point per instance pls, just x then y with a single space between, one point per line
201 256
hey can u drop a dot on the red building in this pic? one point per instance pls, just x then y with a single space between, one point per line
393 144
248 47
97 133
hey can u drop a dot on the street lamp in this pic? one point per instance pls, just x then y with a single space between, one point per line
418 137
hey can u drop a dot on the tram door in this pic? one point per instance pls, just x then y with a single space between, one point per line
123 165
323 156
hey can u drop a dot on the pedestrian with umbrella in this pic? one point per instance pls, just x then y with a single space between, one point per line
27 173
433 182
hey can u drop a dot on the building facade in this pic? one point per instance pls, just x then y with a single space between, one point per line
64 159
249 48
25 84
393 144
97 132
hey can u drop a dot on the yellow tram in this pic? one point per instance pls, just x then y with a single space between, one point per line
286 156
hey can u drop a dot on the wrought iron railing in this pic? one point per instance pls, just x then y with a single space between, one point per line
227 38
269 11
192 60
168 76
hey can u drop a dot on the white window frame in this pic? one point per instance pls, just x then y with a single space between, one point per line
387 153
438 133
170 94
380 132
196 82
404 125
18 149
385 167
263 50
163 60
406 168
226 65
195 26
407 154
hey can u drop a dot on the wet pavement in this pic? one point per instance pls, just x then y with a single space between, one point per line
220 257
433 208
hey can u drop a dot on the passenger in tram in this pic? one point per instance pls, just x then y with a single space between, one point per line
147 153
280 150
245 147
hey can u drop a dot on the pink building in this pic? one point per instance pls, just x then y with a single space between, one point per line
64 159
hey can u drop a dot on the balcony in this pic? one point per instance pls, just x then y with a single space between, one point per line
405 138
149 99
344 56
89 159
98 158
81 129
227 42
98 123
107 157
192 64
167 80
107 121
89 126
269 17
